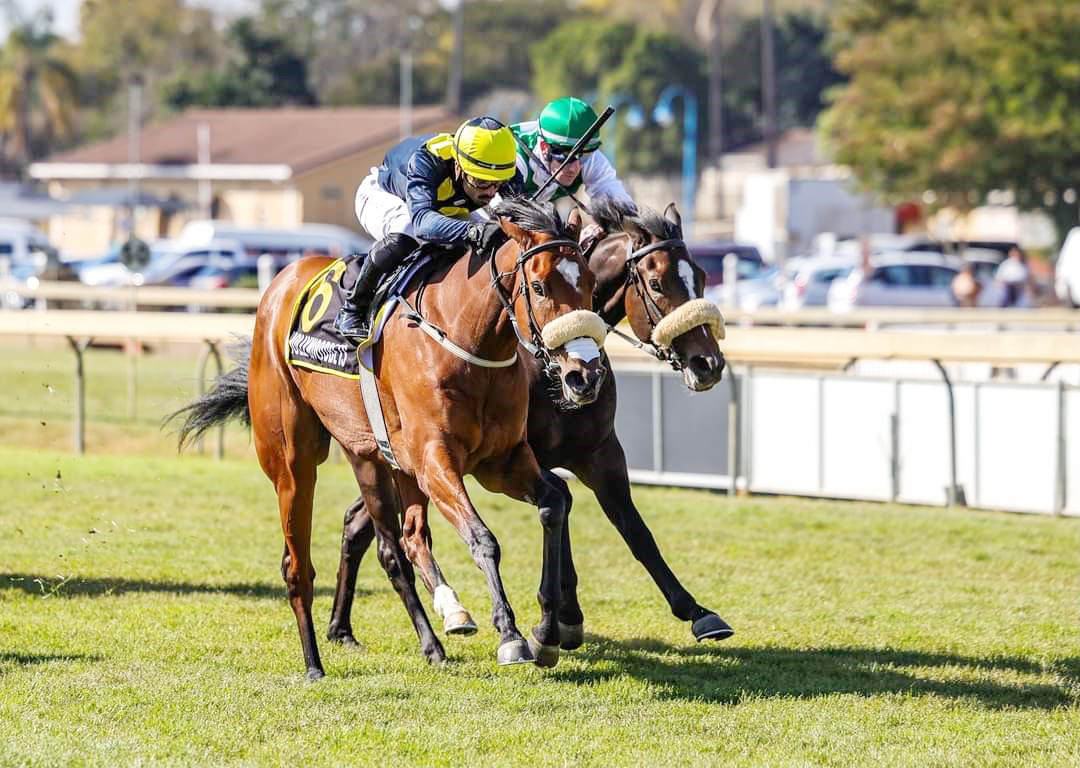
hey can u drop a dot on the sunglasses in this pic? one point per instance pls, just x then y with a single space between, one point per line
482 185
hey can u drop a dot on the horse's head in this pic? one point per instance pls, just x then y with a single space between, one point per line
551 297
649 277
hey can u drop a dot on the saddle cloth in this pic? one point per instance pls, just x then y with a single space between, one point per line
313 343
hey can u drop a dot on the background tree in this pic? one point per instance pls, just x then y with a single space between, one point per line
37 88
261 71
961 97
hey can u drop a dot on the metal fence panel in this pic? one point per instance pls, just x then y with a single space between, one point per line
784 433
1017 447
1072 452
695 425
857 438
634 417
923 442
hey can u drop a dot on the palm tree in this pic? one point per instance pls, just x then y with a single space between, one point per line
37 89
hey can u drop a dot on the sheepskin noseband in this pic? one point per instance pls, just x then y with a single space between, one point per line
689 315
574 325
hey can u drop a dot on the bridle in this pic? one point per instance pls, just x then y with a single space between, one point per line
653 313
536 346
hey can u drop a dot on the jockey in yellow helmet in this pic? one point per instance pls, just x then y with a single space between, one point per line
425 189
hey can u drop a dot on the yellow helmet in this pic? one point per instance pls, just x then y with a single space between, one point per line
485 149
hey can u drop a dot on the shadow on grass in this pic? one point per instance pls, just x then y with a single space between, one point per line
105 587
730 675
30 659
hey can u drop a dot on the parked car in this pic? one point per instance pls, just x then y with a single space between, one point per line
761 290
810 279
1067 271
285 245
29 257
214 276
186 262
910 279
710 257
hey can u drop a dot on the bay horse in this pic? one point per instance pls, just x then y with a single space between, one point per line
645 274
446 415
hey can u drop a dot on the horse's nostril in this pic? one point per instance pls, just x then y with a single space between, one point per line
576 381
702 365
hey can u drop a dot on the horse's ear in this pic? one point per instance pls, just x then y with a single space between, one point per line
573 223
638 236
672 215
514 232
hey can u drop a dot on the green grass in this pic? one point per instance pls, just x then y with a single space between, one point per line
143 621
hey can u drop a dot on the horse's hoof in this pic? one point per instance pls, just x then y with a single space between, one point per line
543 655
459 623
435 655
571 636
514 652
345 639
314 673
711 627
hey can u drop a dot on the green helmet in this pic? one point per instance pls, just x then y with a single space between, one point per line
564 121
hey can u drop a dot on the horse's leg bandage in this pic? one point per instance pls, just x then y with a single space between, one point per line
581 323
689 315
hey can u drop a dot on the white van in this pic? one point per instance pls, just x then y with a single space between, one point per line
25 248
1067 270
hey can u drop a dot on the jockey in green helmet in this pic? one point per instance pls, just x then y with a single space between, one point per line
544 144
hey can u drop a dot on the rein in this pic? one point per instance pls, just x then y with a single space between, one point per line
652 310
536 346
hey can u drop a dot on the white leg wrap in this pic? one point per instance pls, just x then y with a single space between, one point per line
446 601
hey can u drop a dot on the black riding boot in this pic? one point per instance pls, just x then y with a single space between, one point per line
384 257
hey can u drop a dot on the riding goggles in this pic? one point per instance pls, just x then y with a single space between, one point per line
483 185
559 154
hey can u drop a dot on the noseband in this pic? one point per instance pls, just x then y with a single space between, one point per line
536 346
653 313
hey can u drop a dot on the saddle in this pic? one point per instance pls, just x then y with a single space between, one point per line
314 344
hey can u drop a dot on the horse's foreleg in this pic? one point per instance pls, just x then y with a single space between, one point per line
416 541
522 478
381 503
606 474
356 537
441 481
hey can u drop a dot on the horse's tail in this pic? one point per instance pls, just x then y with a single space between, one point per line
227 399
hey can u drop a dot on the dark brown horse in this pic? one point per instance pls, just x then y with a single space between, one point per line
447 415
644 273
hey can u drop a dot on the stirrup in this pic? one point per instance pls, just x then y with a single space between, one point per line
351 323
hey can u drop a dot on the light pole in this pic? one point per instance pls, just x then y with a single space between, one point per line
663 115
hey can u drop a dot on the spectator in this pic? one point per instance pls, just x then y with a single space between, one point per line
1013 276
965 288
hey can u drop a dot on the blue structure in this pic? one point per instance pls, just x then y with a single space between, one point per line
664 115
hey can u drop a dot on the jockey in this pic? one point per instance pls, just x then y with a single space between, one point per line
543 144
426 188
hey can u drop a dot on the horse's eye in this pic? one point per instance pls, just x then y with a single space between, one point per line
538 289
655 285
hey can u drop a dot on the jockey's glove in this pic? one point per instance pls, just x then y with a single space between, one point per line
487 236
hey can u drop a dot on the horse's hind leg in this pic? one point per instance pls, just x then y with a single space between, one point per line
290 463
381 504
605 473
356 537
416 541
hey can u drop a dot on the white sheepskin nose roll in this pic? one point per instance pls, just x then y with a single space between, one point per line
581 323
689 315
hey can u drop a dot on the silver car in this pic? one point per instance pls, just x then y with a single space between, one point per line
910 279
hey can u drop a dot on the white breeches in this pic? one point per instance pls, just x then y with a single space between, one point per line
380 212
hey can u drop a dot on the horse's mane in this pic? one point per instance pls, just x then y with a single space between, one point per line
609 213
532 215
657 225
